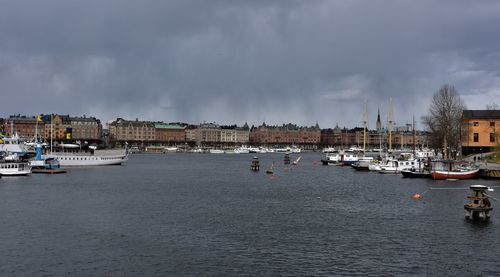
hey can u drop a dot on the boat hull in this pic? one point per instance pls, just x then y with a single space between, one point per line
444 175
415 174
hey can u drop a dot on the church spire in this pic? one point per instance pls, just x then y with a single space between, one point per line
379 124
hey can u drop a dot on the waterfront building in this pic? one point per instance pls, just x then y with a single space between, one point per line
232 135
480 131
286 135
135 133
24 126
59 125
191 134
169 134
208 134
83 129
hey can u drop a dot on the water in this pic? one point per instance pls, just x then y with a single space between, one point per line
209 215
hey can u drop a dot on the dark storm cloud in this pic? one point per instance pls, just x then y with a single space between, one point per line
237 61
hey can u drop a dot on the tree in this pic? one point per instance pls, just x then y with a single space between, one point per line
492 107
444 120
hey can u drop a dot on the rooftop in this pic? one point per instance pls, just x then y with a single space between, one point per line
481 114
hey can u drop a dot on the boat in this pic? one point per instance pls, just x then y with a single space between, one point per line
331 158
88 157
362 164
415 173
348 157
216 151
40 163
296 162
15 168
329 150
171 149
13 145
394 166
270 170
422 171
479 206
242 150
445 170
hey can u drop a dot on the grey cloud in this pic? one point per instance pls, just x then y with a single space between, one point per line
237 61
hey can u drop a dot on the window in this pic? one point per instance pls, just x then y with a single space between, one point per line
476 123
476 137
492 123
492 137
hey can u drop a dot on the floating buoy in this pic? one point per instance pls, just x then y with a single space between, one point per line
416 196
315 162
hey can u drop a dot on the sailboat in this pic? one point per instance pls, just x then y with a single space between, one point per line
270 170
296 162
364 162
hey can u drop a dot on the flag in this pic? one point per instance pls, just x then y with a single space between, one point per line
68 135
39 118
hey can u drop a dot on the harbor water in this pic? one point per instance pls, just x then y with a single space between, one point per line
210 215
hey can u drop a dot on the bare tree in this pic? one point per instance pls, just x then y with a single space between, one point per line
492 106
444 120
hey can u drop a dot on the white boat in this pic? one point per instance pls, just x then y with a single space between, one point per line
89 157
296 162
216 151
363 163
171 149
15 169
282 150
242 150
348 157
395 166
329 150
13 145
331 158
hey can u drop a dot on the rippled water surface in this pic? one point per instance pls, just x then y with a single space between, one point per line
201 215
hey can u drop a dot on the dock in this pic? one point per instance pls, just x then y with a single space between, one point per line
48 171
489 170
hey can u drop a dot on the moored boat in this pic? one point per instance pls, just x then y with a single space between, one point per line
15 168
89 157
443 170
415 173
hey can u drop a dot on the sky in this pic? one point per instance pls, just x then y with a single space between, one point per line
232 62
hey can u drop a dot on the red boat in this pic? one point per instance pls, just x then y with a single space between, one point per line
443 170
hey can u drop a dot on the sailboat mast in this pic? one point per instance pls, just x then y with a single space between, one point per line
364 131
390 124
51 131
414 138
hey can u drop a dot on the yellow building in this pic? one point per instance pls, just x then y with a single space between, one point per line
480 131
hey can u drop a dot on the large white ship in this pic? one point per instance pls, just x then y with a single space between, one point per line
89 157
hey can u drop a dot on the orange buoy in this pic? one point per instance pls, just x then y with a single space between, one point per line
416 196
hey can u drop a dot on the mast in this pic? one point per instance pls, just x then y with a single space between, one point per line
414 138
51 131
364 131
390 124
